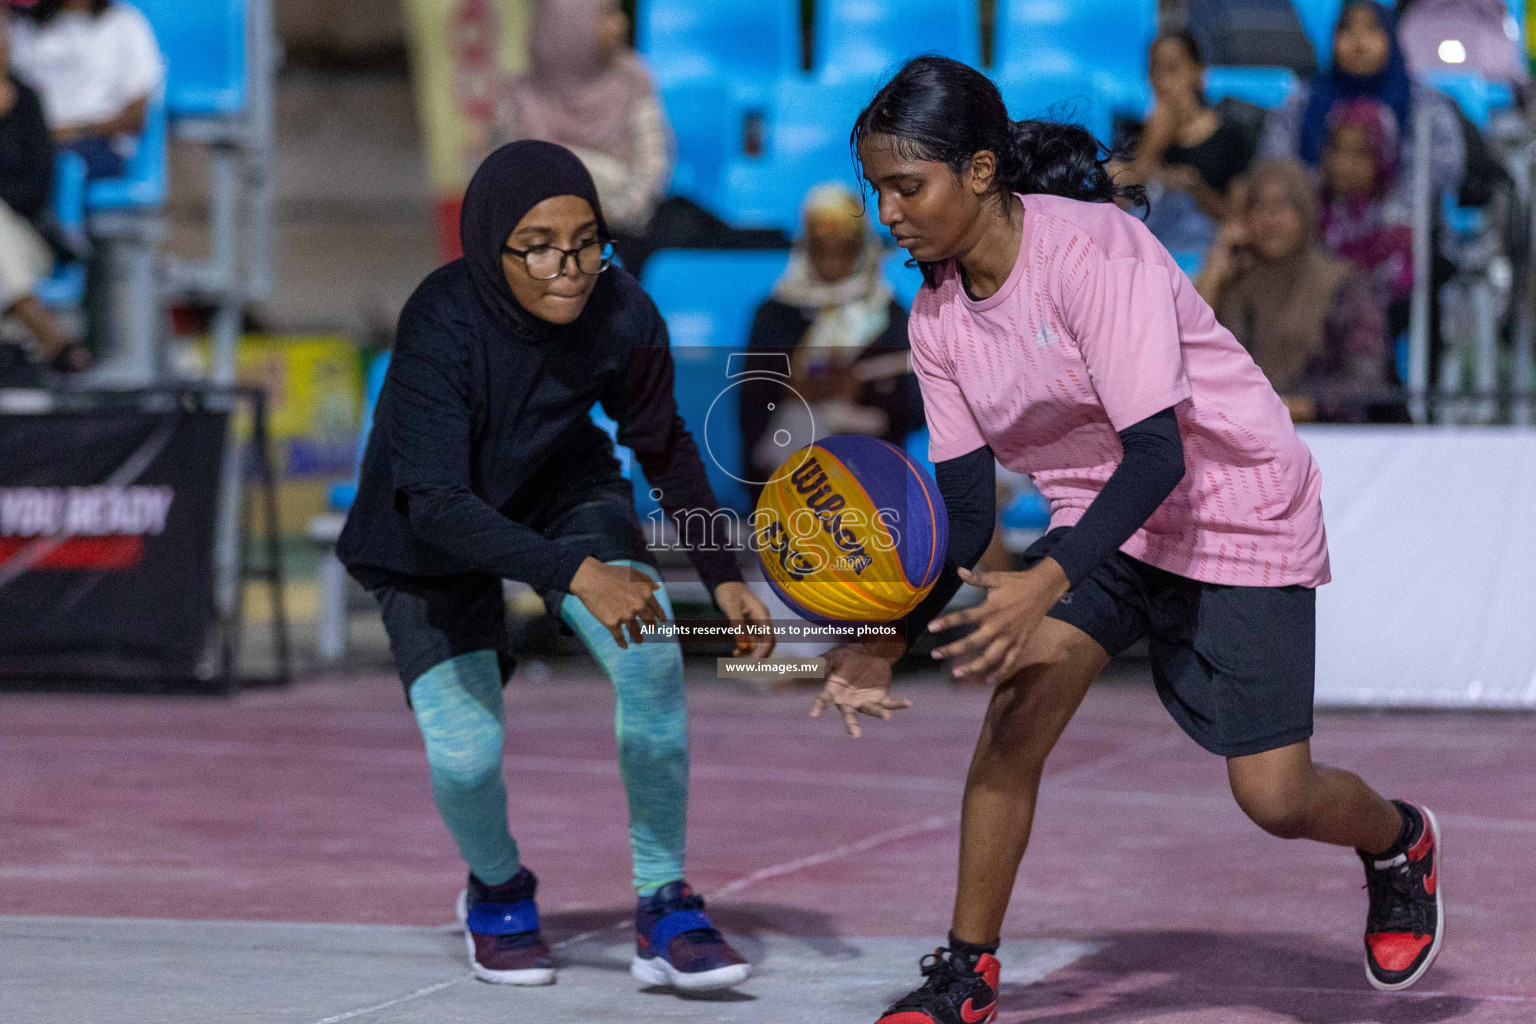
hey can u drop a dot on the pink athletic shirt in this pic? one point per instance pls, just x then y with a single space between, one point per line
1095 329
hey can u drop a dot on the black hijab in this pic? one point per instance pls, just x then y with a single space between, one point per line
510 182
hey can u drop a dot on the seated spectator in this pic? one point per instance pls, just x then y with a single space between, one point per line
26 181
1368 62
833 316
97 66
587 90
1363 219
1309 320
1189 153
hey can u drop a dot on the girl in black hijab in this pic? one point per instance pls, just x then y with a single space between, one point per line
485 465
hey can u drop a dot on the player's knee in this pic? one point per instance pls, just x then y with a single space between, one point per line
1050 649
1281 811
1011 727
652 669
466 759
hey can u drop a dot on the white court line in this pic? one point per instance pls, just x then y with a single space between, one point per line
929 824
419 993
1413 993
772 871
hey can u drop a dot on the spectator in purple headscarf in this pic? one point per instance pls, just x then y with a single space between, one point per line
1368 63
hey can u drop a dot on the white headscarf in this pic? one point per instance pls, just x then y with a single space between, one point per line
851 313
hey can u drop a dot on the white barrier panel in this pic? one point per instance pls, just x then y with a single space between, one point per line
1432 534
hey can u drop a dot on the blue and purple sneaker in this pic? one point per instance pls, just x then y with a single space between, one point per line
501 929
675 944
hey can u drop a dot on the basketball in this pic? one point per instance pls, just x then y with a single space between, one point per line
851 529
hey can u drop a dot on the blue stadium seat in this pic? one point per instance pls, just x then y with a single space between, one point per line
861 39
1478 98
806 143
343 495
751 42
67 285
1264 87
1189 260
143 182
917 448
708 299
1107 37
204 48
1318 20
1027 511
1057 90
708 129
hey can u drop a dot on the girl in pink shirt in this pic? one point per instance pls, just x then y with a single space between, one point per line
1055 335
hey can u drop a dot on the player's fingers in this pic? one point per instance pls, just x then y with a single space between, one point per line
971 644
819 704
953 619
985 660
895 703
851 722
982 578
654 607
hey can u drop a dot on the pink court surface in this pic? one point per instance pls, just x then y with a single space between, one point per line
276 858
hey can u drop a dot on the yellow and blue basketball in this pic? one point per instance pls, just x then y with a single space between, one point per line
851 529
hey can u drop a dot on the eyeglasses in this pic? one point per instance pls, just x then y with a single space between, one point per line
547 262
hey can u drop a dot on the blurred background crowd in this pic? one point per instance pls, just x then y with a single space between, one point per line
239 189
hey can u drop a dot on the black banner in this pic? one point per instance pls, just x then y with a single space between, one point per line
106 542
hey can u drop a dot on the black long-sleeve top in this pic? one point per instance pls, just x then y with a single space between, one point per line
1152 466
26 155
471 410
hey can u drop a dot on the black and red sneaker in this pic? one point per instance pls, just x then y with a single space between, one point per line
501 929
1406 922
958 989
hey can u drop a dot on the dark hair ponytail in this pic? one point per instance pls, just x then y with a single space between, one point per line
940 109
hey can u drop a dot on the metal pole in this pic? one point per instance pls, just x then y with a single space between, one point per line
224 341
1522 388
1485 350
1418 317
135 356
262 60
223 244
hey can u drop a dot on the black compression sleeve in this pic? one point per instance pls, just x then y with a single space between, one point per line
1152 467
968 486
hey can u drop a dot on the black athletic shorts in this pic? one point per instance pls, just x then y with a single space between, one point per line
430 619
1234 666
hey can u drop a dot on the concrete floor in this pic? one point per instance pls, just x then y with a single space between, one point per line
276 857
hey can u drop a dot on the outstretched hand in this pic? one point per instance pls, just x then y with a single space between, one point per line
859 683
1005 620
